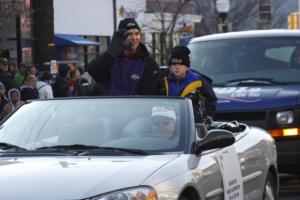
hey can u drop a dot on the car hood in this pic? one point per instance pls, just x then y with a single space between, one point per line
254 98
74 178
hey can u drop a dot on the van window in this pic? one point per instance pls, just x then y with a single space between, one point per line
230 59
283 54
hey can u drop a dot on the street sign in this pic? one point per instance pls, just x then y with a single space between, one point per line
53 68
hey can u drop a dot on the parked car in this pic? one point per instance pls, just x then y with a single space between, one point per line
256 79
131 148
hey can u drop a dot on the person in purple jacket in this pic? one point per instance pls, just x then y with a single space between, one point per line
126 68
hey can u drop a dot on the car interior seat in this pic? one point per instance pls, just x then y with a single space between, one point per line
85 131
138 125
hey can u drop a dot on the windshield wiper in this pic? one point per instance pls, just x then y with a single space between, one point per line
117 149
7 146
253 81
89 149
68 147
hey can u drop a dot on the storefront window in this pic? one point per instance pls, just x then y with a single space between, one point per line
88 53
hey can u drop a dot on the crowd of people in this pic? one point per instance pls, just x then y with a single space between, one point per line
126 68
28 83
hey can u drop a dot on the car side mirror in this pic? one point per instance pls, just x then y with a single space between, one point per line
214 139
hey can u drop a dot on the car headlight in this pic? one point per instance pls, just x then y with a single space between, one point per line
142 193
284 117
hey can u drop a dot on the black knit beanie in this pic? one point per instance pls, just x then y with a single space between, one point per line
180 55
128 23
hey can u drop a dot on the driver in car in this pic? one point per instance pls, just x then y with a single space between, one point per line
163 122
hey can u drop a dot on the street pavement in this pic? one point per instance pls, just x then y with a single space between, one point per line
289 187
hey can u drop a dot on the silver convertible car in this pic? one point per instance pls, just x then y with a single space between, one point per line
131 148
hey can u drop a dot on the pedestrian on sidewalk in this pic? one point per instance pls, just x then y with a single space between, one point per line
28 90
3 99
44 85
13 104
60 86
5 75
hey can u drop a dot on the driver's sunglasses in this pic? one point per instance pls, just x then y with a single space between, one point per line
161 121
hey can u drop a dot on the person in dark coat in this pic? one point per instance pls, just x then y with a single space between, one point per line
60 85
3 98
28 90
126 68
180 81
75 76
5 76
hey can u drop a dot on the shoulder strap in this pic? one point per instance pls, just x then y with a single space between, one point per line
45 84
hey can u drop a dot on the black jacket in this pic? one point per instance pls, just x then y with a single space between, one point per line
3 101
206 91
60 86
7 80
100 70
28 93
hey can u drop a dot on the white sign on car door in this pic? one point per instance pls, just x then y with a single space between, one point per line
231 173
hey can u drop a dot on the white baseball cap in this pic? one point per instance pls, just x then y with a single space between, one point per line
162 111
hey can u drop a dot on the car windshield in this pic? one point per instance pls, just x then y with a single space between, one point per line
259 59
149 125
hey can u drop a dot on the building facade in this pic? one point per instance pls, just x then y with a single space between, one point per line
93 20
16 31
98 19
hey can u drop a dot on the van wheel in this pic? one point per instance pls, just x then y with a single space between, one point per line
270 189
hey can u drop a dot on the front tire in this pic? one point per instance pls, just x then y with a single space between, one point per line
270 188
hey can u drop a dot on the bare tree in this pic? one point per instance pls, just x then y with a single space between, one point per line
242 15
279 19
167 14
209 22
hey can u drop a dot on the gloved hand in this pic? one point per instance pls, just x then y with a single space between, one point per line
118 44
208 120
194 96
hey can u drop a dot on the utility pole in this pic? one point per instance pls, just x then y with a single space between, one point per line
115 14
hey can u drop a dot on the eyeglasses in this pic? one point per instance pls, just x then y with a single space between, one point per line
161 121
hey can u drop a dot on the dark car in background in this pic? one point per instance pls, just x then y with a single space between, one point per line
257 81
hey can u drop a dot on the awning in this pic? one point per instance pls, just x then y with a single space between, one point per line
73 40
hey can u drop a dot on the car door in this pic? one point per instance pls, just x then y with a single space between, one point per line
221 176
249 147
209 176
